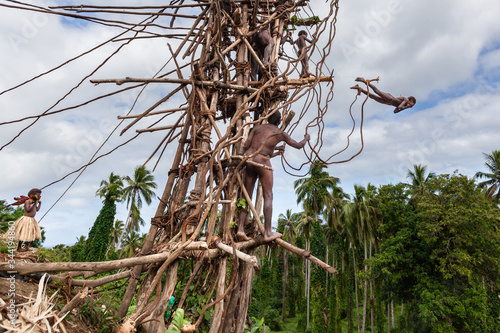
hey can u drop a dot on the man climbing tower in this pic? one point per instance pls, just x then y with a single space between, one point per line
263 44
400 103
27 229
302 52
261 146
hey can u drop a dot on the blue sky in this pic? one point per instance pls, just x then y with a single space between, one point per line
445 53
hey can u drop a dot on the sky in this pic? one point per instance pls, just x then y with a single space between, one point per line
445 53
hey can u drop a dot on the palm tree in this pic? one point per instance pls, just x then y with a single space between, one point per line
112 187
359 218
419 179
115 235
117 230
131 243
138 189
493 176
314 192
305 225
286 225
332 214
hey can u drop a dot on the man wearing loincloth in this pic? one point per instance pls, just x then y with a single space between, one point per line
261 145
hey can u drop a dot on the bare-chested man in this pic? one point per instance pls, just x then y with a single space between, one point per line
400 103
266 136
301 45
27 229
264 44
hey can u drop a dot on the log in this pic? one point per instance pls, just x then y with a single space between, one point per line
157 323
78 300
96 282
246 293
252 260
99 266
219 307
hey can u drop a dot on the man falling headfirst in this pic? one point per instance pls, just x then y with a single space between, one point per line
400 103
265 136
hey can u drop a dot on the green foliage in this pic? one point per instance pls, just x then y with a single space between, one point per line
7 214
294 20
241 203
59 253
439 256
492 182
77 251
100 234
257 326
98 316
177 322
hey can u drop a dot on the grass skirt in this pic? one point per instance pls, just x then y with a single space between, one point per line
27 229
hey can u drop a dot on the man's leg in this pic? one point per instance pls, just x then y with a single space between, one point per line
372 96
383 95
250 178
266 179
305 65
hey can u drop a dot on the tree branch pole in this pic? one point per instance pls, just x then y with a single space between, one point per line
298 251
201 83
162 205
75 302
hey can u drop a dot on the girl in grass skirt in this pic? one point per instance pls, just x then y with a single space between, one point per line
27 229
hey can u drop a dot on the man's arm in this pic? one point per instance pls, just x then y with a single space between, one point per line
278 150
403 104
297 145
248 143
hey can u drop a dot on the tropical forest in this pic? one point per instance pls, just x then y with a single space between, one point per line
422 255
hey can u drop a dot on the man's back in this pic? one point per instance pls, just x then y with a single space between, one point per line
264 134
